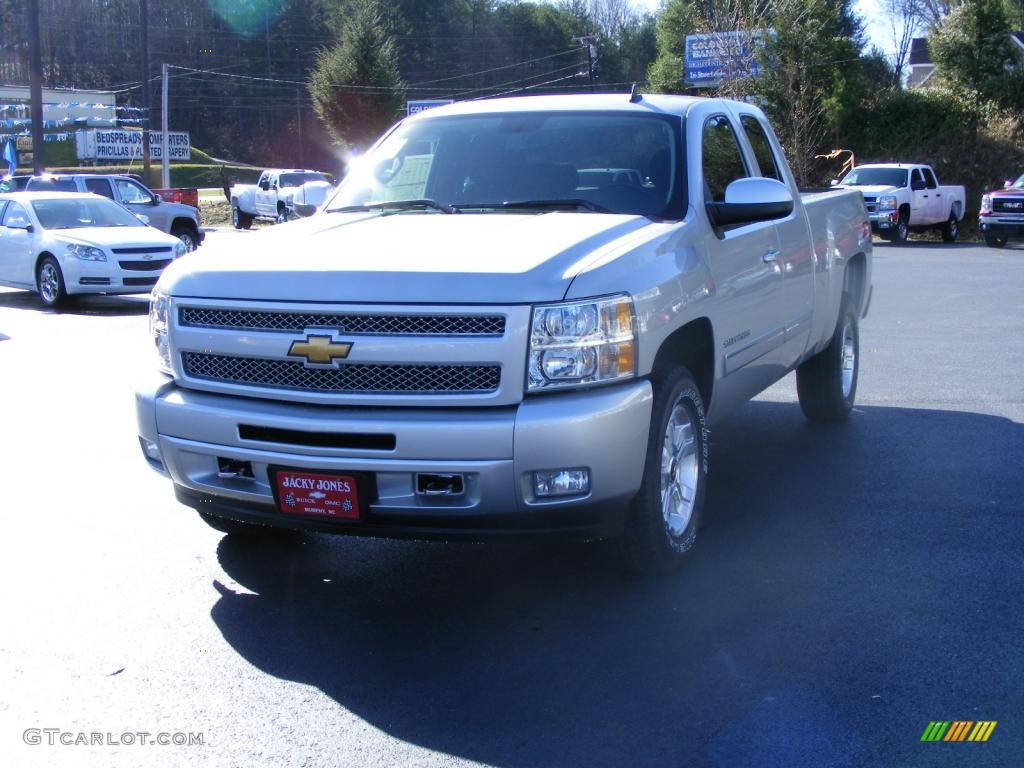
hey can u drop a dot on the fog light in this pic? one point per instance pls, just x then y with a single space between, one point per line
561 482
150 449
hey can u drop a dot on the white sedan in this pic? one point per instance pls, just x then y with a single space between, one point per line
65 243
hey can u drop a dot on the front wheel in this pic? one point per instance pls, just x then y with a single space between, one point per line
951 229
995 242
50 282
901 231
662 522
827 383
187 235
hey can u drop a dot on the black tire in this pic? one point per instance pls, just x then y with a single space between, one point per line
951 229
655 540
243 530
239 219
282 214
50 282
901 231
995 242
827 383
187 235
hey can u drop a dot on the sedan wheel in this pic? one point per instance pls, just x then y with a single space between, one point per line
50 282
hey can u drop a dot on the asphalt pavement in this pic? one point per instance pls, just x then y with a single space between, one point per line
851 583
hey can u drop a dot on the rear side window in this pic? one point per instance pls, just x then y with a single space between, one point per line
929 178
762 147
99 186
723 161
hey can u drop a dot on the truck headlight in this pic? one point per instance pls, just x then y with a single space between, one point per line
887 203
86 252
581 342
159 312
986 205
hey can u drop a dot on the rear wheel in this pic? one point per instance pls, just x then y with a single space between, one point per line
827 383
995 242
239 218
951 229
662 522
50 282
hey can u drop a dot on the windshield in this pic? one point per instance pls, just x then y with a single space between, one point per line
1018 184
82 212
298 179
625 164
888 177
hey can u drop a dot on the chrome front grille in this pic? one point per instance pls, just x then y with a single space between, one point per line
345 378
347 323
1008 205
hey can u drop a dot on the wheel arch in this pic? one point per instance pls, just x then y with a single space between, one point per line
692 345
185 222
855 278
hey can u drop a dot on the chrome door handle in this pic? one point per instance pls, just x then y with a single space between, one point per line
770 256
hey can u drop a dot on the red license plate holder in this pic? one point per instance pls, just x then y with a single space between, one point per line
320 495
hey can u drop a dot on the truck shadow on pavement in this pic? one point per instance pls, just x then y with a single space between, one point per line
850 583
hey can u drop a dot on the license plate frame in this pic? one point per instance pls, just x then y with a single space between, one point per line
319 494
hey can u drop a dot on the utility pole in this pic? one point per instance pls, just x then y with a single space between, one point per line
165 155
144 24
589 43
35 67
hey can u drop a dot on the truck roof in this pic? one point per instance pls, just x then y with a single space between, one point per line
602 102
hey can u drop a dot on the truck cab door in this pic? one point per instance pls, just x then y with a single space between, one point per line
137 199
266 195
940 207
920 199
797 261
744 259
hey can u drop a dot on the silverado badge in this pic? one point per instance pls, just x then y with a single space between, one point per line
319 349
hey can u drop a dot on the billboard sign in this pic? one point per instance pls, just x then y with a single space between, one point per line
719 56
412 107
117 144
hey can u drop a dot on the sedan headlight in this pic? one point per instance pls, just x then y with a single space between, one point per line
887 203
159 312
86 252
180 249
581 342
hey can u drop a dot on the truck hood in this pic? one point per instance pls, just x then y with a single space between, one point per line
413 257
873 190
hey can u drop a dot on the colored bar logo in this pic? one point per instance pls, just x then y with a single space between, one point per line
958 730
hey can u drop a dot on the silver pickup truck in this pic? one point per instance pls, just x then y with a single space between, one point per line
514 316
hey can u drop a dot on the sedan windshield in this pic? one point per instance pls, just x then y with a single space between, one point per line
79 212
885 177
535 162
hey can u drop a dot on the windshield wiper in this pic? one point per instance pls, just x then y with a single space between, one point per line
398 205
561 204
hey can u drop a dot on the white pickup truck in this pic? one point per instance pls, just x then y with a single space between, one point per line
902 198
279 195
480 334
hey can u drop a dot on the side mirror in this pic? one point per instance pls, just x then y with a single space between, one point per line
751 200
156 199
142 217
26 227
1007 183
834 183
917 186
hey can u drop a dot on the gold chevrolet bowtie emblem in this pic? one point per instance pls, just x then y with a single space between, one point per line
319 349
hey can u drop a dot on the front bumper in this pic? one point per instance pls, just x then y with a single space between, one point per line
883 221
495 450
999 227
